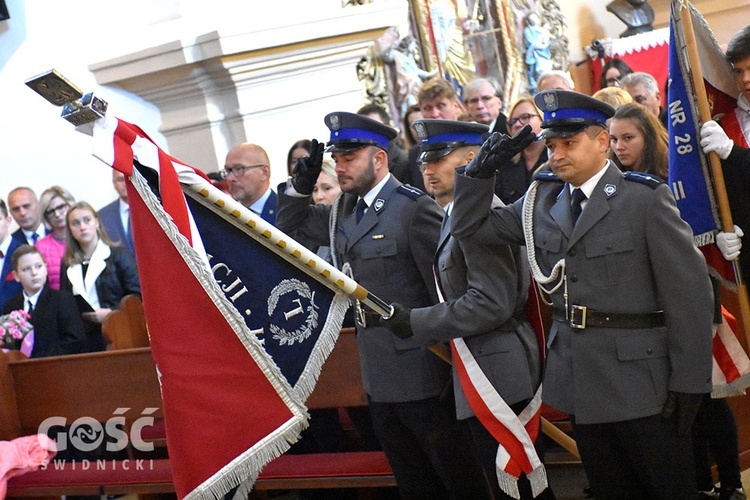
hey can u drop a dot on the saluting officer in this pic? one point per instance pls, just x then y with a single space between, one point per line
629 351
484 285
387 234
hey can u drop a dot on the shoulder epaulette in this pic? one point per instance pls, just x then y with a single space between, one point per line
410 191
650 180
546 175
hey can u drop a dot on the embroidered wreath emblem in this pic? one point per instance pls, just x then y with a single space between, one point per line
310 323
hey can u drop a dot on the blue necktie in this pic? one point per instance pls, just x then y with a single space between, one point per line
575 205
360 210
34 237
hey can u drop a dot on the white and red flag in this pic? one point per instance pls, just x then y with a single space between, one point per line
690 175
238 331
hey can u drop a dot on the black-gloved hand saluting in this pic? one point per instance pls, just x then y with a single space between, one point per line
497 150
684 407
307 169
399 322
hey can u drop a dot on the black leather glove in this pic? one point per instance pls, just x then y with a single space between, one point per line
307 169
497 150
684 407
400 322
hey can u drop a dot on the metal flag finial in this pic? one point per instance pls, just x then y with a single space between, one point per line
80 110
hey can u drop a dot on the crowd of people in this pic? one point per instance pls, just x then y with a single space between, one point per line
453 221
67 265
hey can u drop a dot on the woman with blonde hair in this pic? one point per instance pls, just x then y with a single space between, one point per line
96 271
327 186
53 207
614 96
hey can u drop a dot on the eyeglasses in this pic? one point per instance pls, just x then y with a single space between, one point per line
58 210
615 82
238 171
484 98
521 120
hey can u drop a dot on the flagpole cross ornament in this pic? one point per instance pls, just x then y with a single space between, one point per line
79 109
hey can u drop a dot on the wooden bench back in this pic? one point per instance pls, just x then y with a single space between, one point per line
96 384
126 327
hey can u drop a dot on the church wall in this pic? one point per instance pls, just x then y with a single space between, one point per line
40 149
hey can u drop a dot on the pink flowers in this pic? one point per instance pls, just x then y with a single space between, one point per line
14 327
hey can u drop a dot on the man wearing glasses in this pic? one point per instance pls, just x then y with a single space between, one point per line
484 103
248 175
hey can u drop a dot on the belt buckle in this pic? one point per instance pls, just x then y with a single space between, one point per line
578 317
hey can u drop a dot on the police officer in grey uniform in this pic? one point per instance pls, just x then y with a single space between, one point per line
387 234
484 285
629 351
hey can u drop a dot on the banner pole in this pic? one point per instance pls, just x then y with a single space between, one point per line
720 190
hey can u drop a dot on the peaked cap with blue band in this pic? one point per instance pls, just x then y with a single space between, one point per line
438 138
566 113
350 132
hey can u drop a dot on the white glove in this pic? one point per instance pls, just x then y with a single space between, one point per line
713 138
730 243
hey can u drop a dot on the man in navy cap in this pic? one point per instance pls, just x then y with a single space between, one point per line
484 285
387 234
629 350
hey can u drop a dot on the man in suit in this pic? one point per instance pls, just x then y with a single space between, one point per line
387 234
23 205
247 171
8 286
115 216
484 103
629 350
58 328
484 285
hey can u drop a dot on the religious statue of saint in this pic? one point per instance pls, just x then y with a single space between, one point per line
637 15
536 40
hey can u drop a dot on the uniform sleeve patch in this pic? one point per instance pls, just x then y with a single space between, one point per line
410 191
650 180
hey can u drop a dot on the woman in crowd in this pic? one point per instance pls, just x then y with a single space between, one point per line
98 272
614 96
327 187
298 150
612 73
511 182
53 208
638 141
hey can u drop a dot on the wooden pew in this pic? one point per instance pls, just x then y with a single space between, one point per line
126 327
96 384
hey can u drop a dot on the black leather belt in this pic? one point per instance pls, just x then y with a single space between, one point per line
582 317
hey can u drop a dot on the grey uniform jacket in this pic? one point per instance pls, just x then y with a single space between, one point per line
484 283
629 253
390 252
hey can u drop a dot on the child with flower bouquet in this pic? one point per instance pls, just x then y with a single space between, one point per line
57 326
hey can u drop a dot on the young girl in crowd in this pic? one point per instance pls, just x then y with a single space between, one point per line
98 272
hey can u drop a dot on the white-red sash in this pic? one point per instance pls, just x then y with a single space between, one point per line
515 434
